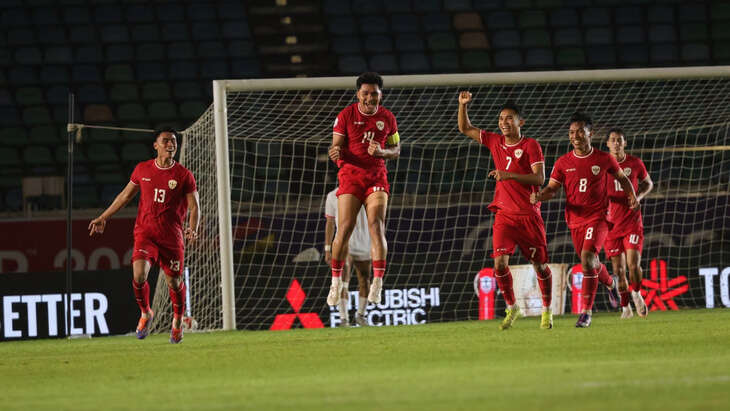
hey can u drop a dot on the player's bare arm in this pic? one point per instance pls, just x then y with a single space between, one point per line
645 187
537 178
191 232
628 189
465 126
546 193
335 151
390 152
329 236
98 224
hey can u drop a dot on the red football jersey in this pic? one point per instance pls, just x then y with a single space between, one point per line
162 201
510 196
584 179
359 129
619 213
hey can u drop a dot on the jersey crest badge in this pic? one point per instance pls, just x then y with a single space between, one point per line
627 171
172 184
380 125
595 170
518 153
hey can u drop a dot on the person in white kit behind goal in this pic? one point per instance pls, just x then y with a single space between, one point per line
358 256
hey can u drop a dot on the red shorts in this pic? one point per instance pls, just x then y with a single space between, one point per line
590 236
169 259
527 231
362 182
632 240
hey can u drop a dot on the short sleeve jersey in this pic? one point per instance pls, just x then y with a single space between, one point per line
584 179
360 237
162 201
510 196
359 130
619 213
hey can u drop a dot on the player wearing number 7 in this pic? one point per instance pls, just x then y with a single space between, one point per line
519 171
583 172
167 191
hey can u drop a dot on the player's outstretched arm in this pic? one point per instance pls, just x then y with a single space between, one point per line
98 224
546 193
628 189
191 233
465 126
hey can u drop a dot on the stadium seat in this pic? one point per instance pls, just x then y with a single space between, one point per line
140 13
156 91
29 96
96 135
409 42
378 44
564 17
601 56
102 153
82 34
599 36
241 48
532 18
433 22
150 52
476 61
109 13
662 33
115 33
695 52
721 31
44 16
192 109
14 199
54 74
143 33
445 62
568 37
721 52
570 57
518 4
457 5
628 15
661 14
236 30
109 192
596 16
374 24
506 39
9 116
398 6
52 35
175 32
57 95
91 93
120 92
689 32
535 38
244 68
442 41
487 5
664 53
119 52
212 50
635 55
404 23
500 20
85 196
468 21
232 10
202 11
346 45
214 69
21 37
162 110
119 73
61 157
131 112
539 57
630 35
187 90
426 6
29 55
110 177
98 113
85 73
206 30
89 54
153 71
166 12
692 12
342 25
509 58
384 63
474 40
9 157
181 70
37 156
6 99
414 63
181 51
37 115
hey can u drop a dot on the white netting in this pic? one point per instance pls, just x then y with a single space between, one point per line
438 229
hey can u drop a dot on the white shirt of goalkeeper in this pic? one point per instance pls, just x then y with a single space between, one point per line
360 238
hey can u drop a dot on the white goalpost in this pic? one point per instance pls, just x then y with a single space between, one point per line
259 157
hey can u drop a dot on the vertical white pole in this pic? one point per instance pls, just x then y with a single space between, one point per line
224 203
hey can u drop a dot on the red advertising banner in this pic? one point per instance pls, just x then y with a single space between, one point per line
40 246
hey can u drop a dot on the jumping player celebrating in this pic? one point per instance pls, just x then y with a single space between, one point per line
626 238
583 173
364 135
519 171
167 191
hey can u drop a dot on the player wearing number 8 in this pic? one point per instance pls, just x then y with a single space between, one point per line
167 191
583 172
519 171
626 238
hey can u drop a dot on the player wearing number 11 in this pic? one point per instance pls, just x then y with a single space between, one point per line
584 173
167 191
519 171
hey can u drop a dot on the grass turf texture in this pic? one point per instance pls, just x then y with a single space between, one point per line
672 361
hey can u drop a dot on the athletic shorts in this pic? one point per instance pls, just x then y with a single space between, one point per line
169 259
631 240
362 182
590 236
526 231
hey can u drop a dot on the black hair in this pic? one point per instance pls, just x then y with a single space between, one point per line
161 130
580 116
511 105
369 77
617 131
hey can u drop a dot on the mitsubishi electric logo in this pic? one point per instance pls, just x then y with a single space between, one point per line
399 307
296 297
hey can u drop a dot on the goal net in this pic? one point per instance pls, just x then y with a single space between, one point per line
438 229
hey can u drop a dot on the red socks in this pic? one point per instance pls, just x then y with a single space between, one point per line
603 276
504 282
625 297
337 267
378 268
590 285
142 295
178 300
636 287
546 286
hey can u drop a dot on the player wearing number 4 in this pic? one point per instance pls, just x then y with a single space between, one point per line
583 172
519 171
626 238
167 191
364 135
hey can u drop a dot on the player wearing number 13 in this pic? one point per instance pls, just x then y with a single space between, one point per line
167 191
583 172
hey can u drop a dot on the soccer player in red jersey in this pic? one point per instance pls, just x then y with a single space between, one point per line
167 191
519 171
364 135
583 173
626 238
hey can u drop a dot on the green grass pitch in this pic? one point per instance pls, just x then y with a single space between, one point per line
672 361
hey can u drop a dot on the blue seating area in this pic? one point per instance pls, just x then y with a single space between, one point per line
144 64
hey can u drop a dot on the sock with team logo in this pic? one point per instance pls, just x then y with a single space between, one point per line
178 300
142 295
590 285
604 277
545 281
504 282
337 267
378 268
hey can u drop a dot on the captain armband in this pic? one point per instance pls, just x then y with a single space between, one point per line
393 140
